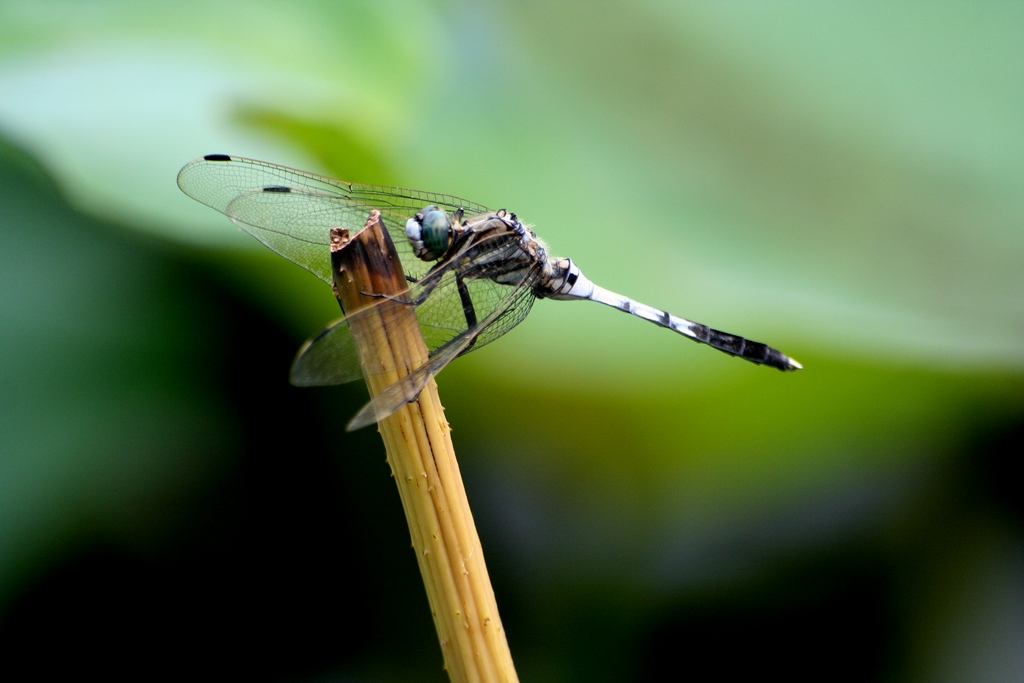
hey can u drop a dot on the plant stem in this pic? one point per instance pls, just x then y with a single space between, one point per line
419 447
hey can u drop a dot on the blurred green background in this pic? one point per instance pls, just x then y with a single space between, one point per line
841 180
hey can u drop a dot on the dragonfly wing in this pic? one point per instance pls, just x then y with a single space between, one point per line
296 224
409 387
292 211
327 359
459 292
217 179
400 201
330 357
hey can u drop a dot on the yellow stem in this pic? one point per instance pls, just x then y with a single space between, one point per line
419 447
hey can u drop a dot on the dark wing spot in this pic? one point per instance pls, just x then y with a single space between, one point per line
276 188
217 157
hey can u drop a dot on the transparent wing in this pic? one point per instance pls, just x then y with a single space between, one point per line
517 302
292 211
458 293
330 357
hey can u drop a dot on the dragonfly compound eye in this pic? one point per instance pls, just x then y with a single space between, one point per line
437 231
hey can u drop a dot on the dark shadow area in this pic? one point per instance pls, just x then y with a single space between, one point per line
271 547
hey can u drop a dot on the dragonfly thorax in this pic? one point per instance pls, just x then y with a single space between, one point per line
430 233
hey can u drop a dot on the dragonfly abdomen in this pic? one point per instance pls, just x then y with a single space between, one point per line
567 282
735 345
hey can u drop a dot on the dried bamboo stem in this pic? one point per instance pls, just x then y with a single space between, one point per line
419 447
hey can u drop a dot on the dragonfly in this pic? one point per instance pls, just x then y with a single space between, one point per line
473 272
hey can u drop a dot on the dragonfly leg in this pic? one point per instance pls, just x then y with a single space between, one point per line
468 309
389 297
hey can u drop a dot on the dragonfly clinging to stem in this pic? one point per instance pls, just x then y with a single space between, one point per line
474 273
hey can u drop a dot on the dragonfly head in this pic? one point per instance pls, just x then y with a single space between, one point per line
430 233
